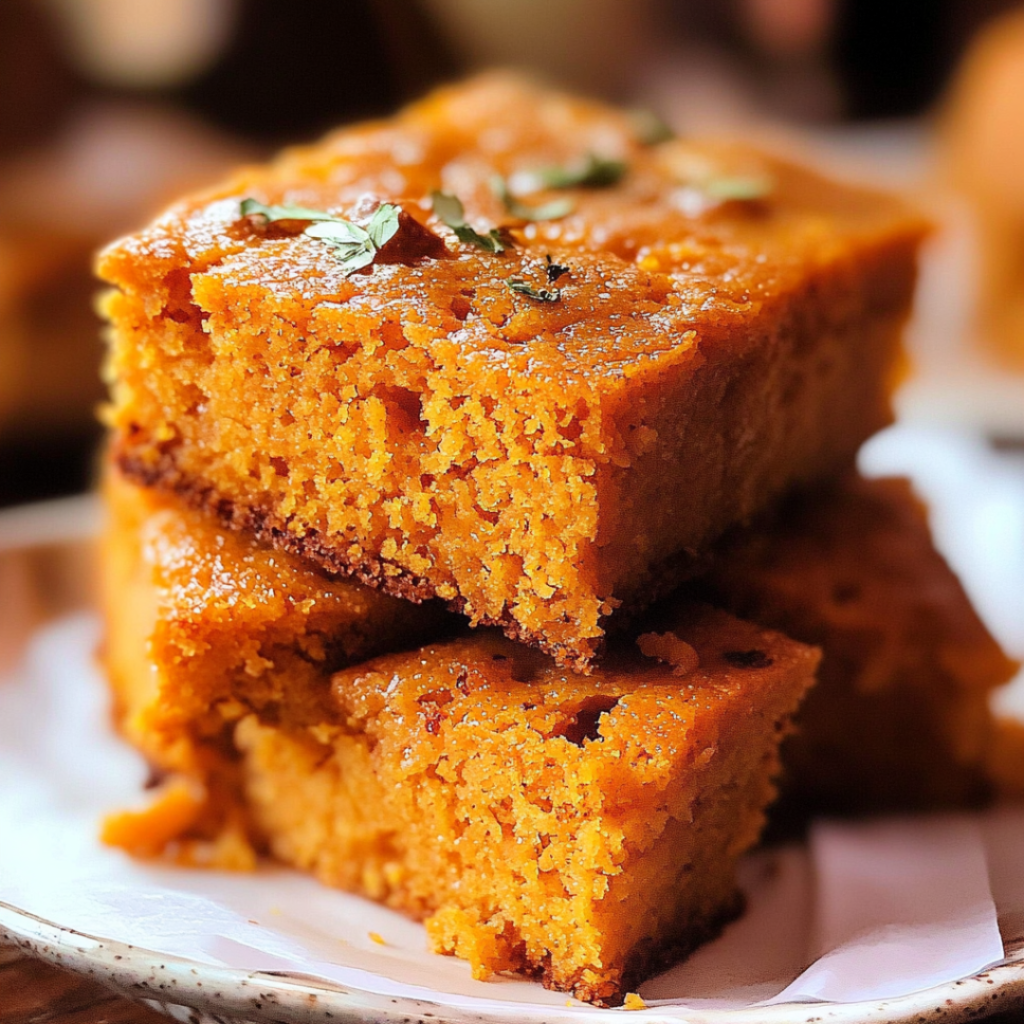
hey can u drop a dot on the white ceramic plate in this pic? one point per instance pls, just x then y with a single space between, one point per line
202 994
45 571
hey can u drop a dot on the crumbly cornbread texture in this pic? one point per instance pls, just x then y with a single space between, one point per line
900 719
583 829
206 626
707 325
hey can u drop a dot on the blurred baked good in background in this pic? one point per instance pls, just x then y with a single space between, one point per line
80 160
108 110
983 149
110 166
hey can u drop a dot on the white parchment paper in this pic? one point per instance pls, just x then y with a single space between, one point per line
861 912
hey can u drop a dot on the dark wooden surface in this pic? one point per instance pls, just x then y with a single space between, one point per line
33 992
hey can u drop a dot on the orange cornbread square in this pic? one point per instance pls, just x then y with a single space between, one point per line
901 716
583 829
537 462
210 626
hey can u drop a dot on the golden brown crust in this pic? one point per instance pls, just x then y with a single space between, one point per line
220 621
262 525
645 961
396 581
657 582
651 959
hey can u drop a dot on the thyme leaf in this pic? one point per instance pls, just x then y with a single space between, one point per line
383 225
253 207
554 210
592 172
354 246
450 210
540 294
650 128
339 232
737 188
448 207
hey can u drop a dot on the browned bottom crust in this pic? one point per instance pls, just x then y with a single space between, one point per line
650 958
658 582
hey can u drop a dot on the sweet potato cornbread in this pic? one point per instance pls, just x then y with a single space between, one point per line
208 626
900 718
584 829
538 402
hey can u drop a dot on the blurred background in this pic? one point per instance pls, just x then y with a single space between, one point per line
109 108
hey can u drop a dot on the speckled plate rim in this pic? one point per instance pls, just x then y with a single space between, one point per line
202 994
197 992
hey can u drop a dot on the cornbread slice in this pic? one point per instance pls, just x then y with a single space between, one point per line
900 719
537 435
584 829
209 626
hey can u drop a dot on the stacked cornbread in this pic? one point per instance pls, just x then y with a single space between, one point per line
498 366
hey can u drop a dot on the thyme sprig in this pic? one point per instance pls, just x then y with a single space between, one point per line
356 247
450 210
592 171
539 294
554 210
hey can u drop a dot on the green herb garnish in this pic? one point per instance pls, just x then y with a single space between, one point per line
554 210
451 211
354 246
253 207
650 128
540 294
383 224
736 189
592 172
